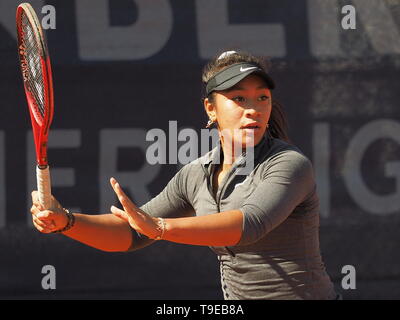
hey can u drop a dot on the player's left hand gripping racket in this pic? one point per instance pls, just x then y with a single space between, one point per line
38 84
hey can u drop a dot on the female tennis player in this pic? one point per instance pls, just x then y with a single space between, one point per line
263 225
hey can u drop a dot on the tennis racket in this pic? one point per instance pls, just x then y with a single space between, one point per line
36 73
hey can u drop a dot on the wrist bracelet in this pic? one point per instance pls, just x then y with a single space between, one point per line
161 228
70 223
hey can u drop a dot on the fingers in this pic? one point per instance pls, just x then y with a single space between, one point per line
128 205
44 215
35 196
120 193
42 220
34 210
42 228
43 224
120 213
136 218
35 199
38 213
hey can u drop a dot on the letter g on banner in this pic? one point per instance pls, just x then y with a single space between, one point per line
364 197
98 40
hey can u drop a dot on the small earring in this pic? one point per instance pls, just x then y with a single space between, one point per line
267 125
209 123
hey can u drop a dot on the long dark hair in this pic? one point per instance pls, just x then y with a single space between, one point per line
278 124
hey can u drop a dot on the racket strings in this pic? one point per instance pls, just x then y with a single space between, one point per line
32 55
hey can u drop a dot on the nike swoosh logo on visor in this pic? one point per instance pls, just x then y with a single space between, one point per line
245 69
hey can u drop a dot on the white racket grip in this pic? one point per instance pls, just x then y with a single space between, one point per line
44 186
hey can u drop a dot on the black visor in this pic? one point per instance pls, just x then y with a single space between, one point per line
231 75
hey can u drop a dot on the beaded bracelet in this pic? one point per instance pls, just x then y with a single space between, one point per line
70 223
161 228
